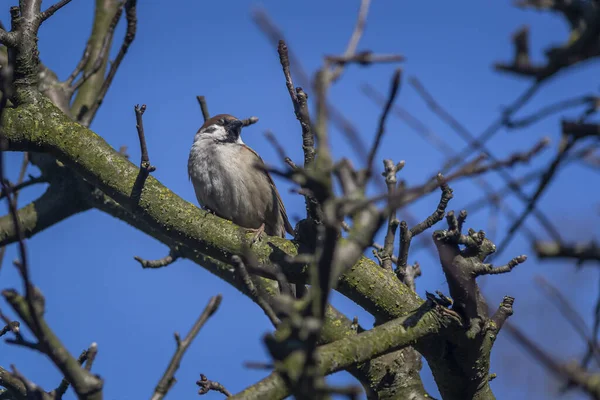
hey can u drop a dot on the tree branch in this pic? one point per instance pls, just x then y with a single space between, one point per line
86 385
168 379
350 351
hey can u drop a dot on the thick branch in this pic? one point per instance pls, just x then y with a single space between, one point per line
55 205
391 336
336 324
162 210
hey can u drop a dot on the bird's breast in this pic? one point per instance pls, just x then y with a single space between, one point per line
226 181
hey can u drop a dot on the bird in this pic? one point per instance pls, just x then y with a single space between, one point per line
228 179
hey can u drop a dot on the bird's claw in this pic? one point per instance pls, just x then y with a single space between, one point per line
257 233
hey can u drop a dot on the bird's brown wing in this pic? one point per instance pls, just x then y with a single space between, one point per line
288 227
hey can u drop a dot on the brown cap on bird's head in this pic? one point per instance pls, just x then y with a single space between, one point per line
219 119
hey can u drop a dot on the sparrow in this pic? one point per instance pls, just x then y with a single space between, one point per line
227 182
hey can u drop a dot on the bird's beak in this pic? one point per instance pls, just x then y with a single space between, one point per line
235 124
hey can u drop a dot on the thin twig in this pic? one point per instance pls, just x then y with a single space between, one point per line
439 143
62 388
203 107
161 262
493 128
407 234
357 34
15 191
565 147
85 57
394 86
6 79
365 58
100 58
33 390
299 101
570 314
12 326
23 184
130 15
145 166
551 109
168 379
207 385
276 145
595 331
84 383
478 144
390 171
253 293
52 9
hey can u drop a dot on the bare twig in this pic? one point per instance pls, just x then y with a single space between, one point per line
6 79
161 262
254 295
52 9
275 143
394 86
203 107
359 28
581 45
552 109
565 147
578 129
570 314
15 190
87 52
493 128
33 390
12 326
579 251
207 385
478 144
572 373
439 143
390 171
60 391
168 379
86 385
131 16
364 58
21 184
145 166
100 58
299 101
406 234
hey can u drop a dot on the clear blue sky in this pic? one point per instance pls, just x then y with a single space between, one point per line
94 289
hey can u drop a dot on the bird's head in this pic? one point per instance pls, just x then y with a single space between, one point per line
223 128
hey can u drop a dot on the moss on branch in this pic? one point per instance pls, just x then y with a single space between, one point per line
344 353
42 127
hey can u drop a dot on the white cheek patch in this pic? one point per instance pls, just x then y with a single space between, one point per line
219 133
239 140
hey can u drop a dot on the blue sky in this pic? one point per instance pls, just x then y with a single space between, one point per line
96 292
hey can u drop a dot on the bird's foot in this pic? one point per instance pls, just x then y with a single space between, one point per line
209 210
257 233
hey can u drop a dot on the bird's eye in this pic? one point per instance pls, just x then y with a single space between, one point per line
222 121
